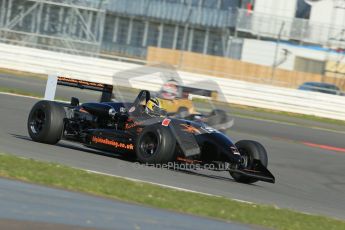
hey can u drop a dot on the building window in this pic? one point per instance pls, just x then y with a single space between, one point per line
211 3
168 36
153 34
303 10
174 1
193 2
230 4
137 33
198 41
180 35
108 28
215 44
122 31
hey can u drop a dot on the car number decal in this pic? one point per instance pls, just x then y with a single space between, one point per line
166 122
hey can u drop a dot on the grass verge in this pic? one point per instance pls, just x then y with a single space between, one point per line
56 175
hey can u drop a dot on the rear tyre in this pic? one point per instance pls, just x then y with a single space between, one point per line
45 122
250 150
155 145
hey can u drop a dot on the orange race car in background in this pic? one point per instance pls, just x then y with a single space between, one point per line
177 101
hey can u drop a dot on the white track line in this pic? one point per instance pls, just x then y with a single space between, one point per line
154 183
25 96
19 95
243 201
165 186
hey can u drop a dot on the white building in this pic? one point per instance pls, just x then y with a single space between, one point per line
311 21
319 23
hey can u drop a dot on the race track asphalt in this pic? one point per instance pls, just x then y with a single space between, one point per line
308 179
32 207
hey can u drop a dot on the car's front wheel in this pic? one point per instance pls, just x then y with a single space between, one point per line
249 151
155 145
45 122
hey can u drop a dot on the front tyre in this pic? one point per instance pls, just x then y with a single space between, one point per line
45 122
155 145
249 151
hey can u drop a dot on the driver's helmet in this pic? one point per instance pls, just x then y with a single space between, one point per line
153 106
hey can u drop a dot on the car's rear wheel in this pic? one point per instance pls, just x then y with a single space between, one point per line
155 145
249 151
45 122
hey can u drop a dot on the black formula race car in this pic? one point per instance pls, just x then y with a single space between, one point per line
152 138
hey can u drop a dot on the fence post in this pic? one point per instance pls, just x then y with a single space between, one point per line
274 65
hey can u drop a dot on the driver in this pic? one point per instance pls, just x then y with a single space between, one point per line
153 107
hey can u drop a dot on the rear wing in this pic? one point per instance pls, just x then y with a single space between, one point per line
55 80
187 91
181 91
